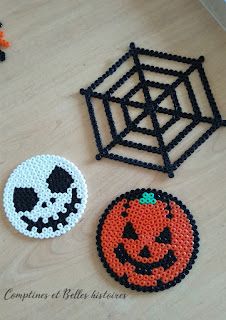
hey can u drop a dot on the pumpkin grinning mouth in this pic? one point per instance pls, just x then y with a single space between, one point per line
39 224
145 268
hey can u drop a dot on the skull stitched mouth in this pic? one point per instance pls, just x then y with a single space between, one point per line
39 224
25 199
145 268
45 196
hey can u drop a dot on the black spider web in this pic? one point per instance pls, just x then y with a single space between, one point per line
151 107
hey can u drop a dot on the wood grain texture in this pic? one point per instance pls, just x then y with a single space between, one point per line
57 48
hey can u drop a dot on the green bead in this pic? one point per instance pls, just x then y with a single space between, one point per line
145 195
148 198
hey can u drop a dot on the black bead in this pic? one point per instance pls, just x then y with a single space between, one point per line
152 108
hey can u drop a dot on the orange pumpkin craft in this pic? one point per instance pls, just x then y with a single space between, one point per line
147 240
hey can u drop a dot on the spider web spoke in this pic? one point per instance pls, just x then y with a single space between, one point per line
185 115
122 134
101 96
175 113
177 82
150 109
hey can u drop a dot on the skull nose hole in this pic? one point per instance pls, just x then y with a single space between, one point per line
44 205
145 252
52 200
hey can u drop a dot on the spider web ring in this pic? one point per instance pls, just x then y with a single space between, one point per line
151 108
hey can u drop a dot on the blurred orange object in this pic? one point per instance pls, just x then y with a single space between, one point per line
3 43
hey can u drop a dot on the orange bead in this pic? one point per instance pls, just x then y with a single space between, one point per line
4 43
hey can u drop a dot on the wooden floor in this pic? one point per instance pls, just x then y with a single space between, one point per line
57 48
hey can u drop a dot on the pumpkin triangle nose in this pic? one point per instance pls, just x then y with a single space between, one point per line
145 253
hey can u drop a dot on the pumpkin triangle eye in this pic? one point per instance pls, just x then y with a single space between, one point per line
129 232
164 237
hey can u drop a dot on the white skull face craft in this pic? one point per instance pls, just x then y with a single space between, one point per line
45 196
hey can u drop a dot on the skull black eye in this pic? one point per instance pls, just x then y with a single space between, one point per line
59 180
164 236
24 199
129 232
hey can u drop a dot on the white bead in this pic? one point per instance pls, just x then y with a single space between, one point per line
33 173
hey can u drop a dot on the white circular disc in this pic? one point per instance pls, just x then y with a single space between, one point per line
45 196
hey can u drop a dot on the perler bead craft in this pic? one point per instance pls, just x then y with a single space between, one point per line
152 108
3 43
45 196
150 244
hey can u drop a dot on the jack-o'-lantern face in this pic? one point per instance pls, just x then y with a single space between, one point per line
147 245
